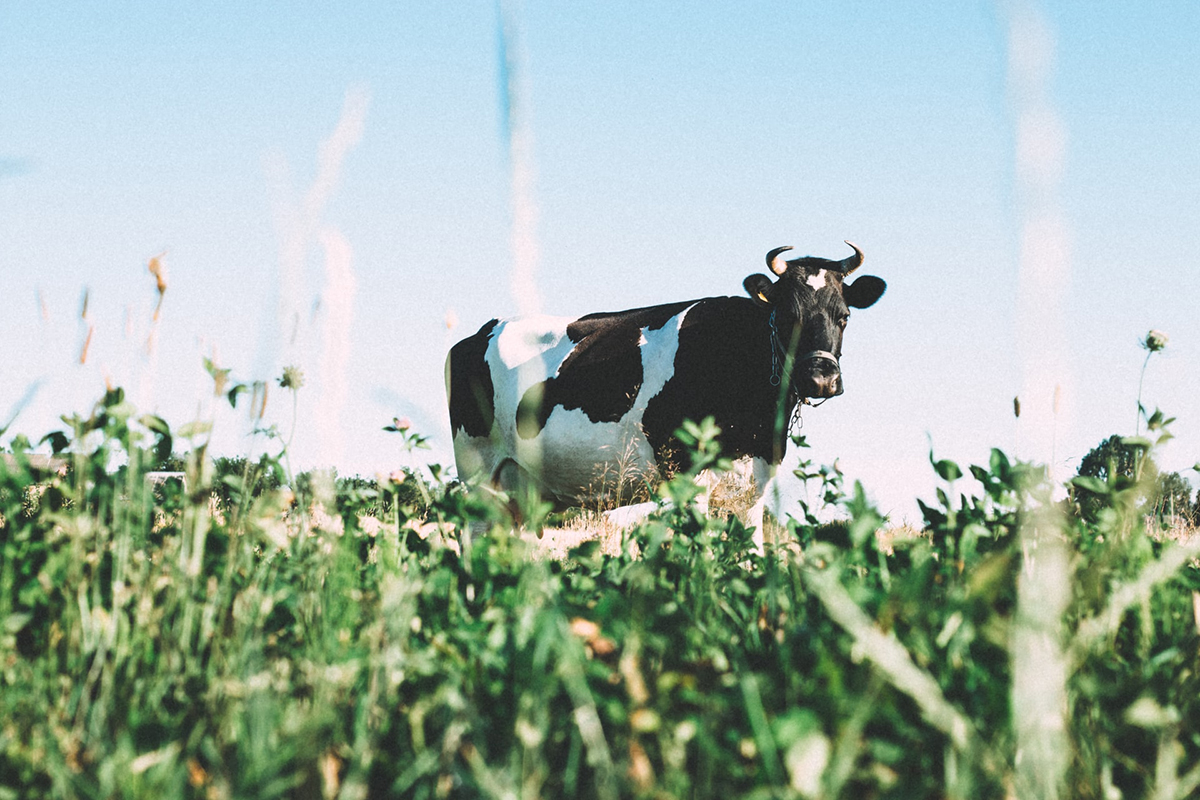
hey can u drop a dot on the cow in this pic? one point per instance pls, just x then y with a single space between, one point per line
587 408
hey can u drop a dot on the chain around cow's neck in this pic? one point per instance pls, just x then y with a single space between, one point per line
778 359
777 352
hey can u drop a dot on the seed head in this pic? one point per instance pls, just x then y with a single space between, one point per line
399 425
159 270
292 378
1155 341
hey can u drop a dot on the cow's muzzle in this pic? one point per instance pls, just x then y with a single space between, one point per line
820 374
817 372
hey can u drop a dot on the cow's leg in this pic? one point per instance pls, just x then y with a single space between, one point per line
520 486
706 481
756 473
762 471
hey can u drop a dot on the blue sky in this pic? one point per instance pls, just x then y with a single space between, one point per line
672 146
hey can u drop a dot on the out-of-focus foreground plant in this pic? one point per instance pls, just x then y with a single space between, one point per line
230 636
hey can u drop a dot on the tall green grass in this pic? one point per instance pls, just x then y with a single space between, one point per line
226 639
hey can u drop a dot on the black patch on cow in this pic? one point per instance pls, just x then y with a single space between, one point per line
603 373
722 370
472 399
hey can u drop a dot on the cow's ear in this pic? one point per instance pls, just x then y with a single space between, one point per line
760 289
864 292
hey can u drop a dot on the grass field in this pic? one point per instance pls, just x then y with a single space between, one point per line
227 636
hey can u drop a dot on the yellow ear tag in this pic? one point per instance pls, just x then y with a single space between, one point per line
763 297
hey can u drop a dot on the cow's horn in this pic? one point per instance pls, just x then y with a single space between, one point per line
777 264
851 263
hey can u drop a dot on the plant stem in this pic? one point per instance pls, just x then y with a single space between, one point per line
1137 429
287 446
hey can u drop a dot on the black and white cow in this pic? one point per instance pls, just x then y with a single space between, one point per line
587 407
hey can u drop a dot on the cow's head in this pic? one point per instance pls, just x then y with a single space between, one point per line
810 303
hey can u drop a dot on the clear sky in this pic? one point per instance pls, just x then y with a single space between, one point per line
674 144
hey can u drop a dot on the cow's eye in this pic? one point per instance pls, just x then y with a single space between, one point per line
843 320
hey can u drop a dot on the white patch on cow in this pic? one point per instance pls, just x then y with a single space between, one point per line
628 516
517 341
816 281
591 460
523 352
658 358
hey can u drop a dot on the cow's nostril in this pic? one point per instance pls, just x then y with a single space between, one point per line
825 367
827 385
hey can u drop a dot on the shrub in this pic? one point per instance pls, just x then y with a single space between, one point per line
1126 461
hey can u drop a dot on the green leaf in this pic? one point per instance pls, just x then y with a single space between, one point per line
122 410
113 397
233 393
1090 483
159 426
1158 420
155 423
864 519
191 430
947 470
58 441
